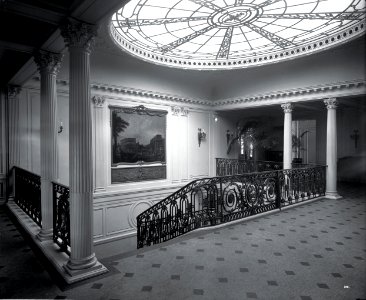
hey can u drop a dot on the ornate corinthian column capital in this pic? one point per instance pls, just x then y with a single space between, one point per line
13 91
175 110
98 101
48 61
184 112
331 103
287 107
78 34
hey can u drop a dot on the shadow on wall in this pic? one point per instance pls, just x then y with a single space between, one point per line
352 169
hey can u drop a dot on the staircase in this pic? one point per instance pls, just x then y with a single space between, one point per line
212 201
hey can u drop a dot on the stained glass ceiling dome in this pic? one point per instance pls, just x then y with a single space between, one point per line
227 34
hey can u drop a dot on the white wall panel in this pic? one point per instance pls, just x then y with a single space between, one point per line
198 156
98 223
117 219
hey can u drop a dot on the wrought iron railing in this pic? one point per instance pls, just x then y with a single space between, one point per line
231 166
211 201
27 187
61 216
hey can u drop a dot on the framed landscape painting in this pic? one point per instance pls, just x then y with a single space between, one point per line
138 144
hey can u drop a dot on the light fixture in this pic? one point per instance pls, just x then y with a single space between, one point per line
60 128
355 136
229 136
216 34
201 136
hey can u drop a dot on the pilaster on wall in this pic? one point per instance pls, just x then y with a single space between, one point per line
13 134
214 118
100 138
13 107
3 146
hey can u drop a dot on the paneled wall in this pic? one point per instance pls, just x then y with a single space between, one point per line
117 205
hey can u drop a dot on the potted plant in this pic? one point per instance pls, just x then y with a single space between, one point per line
297 142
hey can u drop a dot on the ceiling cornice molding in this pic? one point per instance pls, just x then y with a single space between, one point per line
340 89
318 92
105 89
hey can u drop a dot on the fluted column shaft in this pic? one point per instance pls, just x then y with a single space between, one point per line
99 143
331 181
79 37
287 136
48 65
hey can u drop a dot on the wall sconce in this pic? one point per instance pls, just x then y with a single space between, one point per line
60 128
355 136
229 136
201 136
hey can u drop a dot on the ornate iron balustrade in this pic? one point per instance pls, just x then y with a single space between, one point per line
231 166
27 187
211 201
297 185
61 216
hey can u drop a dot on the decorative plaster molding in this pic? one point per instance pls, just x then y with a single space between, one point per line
175 110
285 52
287 107
331 103
98 101
13 91
48 62
295 93
147 94
137 92
78 34
135 210
184 112
354 87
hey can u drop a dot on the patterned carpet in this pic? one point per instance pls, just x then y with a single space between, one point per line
313 251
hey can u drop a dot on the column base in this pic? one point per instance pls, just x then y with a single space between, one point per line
45 235
332 195
84 268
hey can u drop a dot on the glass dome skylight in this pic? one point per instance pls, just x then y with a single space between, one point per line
226 34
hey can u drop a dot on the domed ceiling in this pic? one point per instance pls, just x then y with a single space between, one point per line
227 34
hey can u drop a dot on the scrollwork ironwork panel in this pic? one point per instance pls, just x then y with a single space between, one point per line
297 185
211 201
61 217
28 193
229 166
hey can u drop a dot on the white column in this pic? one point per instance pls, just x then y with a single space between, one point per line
287 136
48 65
99 145
82 262
331 188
